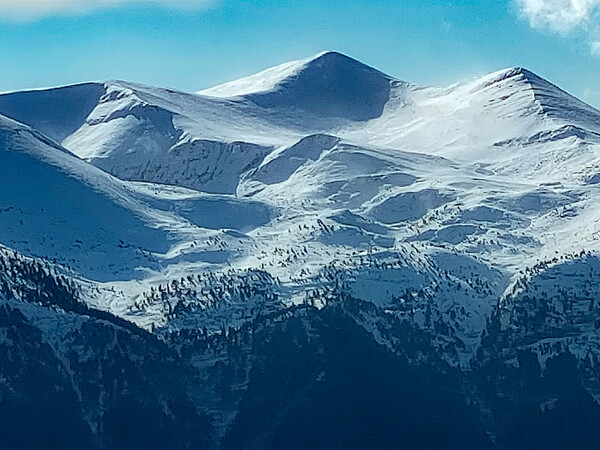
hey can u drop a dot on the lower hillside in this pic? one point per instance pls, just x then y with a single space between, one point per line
296 377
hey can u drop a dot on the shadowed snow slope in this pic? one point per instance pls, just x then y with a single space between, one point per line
209 141
148 134
330 85
57 113
56 206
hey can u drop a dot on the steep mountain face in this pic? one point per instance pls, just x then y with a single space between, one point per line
309 372
316 236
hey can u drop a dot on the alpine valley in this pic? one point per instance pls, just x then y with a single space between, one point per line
316 256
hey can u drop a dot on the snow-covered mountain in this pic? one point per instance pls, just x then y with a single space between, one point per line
456 227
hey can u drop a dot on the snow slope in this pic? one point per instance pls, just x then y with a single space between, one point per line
56 206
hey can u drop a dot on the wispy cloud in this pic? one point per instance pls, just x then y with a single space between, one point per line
565 16
34 9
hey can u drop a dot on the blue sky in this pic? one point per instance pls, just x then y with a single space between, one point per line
193 44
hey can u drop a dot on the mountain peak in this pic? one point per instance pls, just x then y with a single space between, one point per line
538 95
329 53
328 84
518 70
514 74
333 57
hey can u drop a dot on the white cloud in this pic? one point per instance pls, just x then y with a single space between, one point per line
565 16
32 9
561 16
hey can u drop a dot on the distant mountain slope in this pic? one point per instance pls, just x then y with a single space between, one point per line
467 119
311 164
58 112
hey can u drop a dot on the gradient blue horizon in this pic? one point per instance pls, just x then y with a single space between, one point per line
432 43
